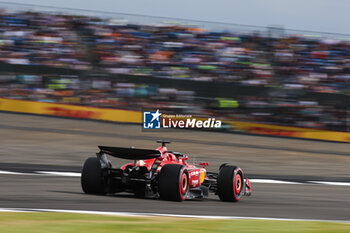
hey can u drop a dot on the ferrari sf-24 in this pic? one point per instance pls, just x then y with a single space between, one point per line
161 173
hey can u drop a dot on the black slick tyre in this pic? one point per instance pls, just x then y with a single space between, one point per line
92 180
230 183
173 183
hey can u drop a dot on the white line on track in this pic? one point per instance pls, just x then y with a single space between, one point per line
331 183
133 214
42 173
269 181
12 173
70 174
13 210
18 173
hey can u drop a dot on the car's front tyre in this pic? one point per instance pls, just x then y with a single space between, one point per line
230 183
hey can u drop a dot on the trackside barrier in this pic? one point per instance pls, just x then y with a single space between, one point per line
288 131
66 110
126 116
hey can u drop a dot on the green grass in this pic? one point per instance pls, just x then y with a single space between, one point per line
76 223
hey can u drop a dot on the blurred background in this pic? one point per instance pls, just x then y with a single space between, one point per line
106 66
267 75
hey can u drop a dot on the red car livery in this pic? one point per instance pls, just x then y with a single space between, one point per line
161 173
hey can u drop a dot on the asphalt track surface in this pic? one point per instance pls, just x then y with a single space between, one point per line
36 143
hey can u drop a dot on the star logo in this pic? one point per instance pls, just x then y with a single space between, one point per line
151 120
155 115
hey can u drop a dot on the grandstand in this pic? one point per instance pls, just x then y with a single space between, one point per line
278 76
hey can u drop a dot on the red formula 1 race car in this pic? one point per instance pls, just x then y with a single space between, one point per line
161 173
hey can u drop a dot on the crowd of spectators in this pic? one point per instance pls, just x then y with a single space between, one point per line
174 51
193 53
40 39
291 63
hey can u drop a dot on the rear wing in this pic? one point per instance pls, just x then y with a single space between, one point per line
130 153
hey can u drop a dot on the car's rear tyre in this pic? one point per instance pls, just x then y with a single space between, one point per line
92 180
173 183
230 183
